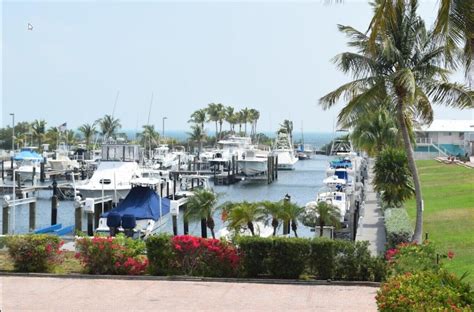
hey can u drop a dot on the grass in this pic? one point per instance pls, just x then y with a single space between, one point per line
448 193
69 265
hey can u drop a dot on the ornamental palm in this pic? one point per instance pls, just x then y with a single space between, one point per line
213 115
38 129
202 206
322 214
405 69
291 212
273 212
109 126
88 131
242 215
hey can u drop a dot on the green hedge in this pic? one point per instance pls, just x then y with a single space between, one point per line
160 254
321 257
398 227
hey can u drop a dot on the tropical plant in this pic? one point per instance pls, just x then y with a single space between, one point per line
88 131
254 115
273 212
321 214
199 117
287 127
405 67
242 215
109 126
198 135
230 117
245 115
213 114
70 137
52 137
38 130
392 177
201 206
149 136
291 212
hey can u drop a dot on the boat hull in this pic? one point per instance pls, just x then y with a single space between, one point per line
252 167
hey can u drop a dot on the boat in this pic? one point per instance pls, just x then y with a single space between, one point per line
304 151
139 215
340 179
61 160
335 198
28 162
115 172
164 157
284 150
253 162
229 147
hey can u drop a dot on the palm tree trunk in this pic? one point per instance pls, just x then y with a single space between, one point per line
216 132
294 227
210 224
414 171
203 228
321 229
250 226
275 226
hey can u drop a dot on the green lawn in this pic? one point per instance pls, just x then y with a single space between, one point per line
448 193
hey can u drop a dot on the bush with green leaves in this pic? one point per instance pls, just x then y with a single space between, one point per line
160 254
412 257
425 291
288 257
255 252
397 226
34 252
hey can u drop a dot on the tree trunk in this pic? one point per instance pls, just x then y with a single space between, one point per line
414 171
321 229
250 226
216 132
275 226
245 129
220 128
203 228
211 225
294 227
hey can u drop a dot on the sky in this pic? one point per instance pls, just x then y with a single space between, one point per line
271 56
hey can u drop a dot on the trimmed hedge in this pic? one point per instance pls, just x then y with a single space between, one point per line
324 258
160 254
398 227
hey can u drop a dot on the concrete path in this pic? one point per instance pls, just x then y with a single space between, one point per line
65 294
371 225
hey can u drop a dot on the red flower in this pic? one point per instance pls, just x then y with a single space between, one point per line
450 254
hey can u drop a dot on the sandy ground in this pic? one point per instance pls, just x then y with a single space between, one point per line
65 294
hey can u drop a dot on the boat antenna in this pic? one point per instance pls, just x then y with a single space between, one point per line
149 110
115 104
302 135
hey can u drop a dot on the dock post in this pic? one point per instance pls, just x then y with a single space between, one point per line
175 225
54 204
276 167
11 166
6 218
269 169
33 176
3 170
185 221
32 216
203 228
179 163
167 188
97 213
78 218
161 189
42 175
90 224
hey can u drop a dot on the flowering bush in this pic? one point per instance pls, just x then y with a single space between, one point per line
34 252
204 257
107 255
425 291
412 257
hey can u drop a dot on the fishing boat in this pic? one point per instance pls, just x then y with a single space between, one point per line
335 198
229 147
28 161
253 162
284 150
61 160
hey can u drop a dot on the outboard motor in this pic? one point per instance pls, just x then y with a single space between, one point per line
113 222
129 223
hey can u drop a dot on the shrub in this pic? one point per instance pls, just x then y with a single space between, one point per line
34 252
107 255
254 252
425 291
411 258
288 257
397 226
160 254
322 257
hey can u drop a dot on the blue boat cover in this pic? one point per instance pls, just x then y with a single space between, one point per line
28 155
143 203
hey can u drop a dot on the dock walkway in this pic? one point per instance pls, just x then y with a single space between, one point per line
371 222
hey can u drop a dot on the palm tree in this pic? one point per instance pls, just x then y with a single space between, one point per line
407 70
198 135
70 137
38 129
375 131
230 117
254 116
221 115
287 126
240 120
243 215
202 206
109 126
150 136
213 115
52 137
321 214
291 212
245 115
88 131
273 211
199 117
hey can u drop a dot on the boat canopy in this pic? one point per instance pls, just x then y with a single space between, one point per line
28 154
143 203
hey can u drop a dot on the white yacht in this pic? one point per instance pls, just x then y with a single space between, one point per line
232 146
62 161
117 168
253 162
27 161
335 198
285 152
164 157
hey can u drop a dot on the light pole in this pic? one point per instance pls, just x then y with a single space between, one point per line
163 129
13 174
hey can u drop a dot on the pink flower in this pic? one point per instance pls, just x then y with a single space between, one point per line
450 254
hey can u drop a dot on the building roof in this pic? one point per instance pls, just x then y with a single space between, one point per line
441 125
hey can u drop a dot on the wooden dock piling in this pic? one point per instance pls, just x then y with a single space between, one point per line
5 219
54 204
78 218
32 216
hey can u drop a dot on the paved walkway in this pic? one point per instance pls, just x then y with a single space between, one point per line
67 294
371 225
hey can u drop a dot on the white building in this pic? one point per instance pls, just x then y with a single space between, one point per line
445 138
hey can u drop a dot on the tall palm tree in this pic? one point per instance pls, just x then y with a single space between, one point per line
242 215
52 137
230 117
150 136
406 69
198 135
291 212
245 115
201 207
213 115
221 115
71 137
199 117
38 130
88 131
254 116
109 126
375 131
273 212
321 214
240 120
287 126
